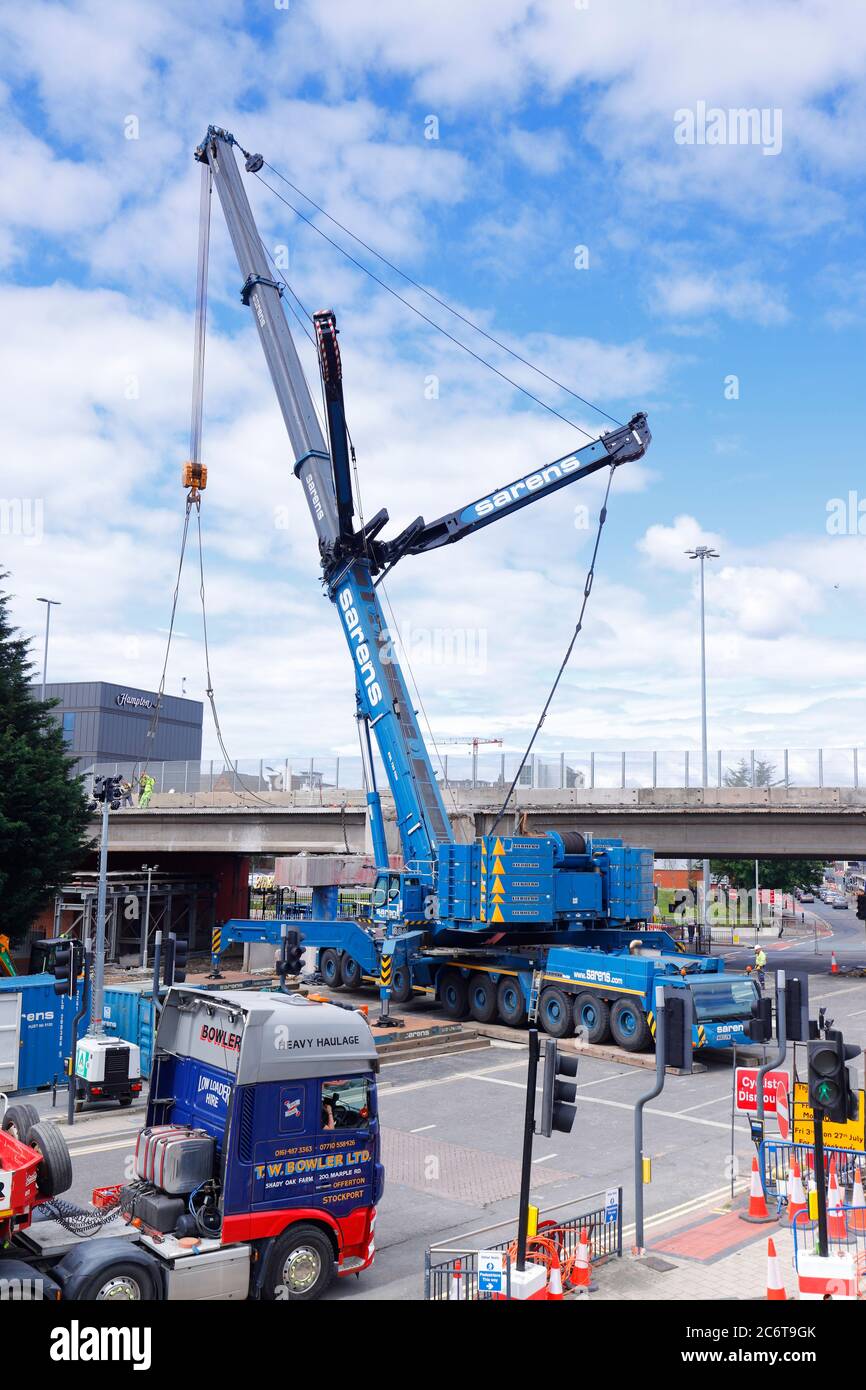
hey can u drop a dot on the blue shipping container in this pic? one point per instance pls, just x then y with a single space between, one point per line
128 1013
40 1032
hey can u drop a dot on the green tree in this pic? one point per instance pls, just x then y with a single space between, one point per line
43 808
741 775
782 874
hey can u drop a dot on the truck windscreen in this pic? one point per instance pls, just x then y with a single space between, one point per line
723 999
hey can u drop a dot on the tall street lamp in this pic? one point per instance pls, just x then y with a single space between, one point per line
704 553
48 605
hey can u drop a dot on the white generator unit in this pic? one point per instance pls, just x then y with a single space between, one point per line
106 1069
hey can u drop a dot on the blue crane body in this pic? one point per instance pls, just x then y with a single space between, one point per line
514 925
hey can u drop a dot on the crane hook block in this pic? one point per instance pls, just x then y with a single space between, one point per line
195 477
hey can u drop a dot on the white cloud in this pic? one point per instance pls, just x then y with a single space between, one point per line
741 297
666 546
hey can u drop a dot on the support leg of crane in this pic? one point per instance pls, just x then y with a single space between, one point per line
384 1018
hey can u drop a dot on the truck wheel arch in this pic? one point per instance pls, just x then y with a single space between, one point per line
311 1217
79 1265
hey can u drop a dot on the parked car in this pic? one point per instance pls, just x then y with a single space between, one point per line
837 900
807 897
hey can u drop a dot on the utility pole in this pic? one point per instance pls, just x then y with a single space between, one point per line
704 553
528 1132
657 1089
49 602
149 869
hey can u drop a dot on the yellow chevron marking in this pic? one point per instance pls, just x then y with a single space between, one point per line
498 866
498 848
497 914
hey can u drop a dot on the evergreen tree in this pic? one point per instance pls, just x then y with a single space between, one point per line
782 874
43 808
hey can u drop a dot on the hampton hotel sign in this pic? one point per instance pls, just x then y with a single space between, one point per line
127 701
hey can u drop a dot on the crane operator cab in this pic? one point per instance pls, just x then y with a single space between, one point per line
400 897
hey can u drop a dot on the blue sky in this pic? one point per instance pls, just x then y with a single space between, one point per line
556 127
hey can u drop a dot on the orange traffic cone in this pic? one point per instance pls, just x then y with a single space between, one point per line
581 1277
757 1211
837 1226
775 1287
554 1280
796 1196
455 1280
834 968
857 1214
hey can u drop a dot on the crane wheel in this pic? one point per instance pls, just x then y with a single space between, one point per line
454 994
555 1013
401 987
350 972
510 1002
329 969
482 998
592 1018
629 1026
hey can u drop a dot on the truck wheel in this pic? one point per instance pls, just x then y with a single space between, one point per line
119 1282
555 1013
482 998
510 1002
19 1120
454 994
329 969
350 972
300 1265
592 1018
401 985
629 1026
54 1174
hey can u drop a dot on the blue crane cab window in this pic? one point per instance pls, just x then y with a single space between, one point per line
723 1000
346 1103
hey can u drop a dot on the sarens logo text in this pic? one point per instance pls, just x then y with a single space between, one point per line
532 483
360 646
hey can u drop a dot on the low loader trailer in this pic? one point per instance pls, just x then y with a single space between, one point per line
257 1174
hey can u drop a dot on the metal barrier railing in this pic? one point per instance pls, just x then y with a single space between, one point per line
777 1155
296 903
451 1270
851 1242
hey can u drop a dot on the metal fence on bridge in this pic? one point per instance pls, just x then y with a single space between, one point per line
321 775
451 1268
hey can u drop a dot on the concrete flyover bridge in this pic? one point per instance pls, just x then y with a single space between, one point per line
752 822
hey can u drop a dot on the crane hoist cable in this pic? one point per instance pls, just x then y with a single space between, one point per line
587 590
437 299
432 322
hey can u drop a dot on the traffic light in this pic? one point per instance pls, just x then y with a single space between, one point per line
861 906
760 1026
68 958
168 949
829 1079
796 1007
291 961
181 956
679 1017
557 1097
107 789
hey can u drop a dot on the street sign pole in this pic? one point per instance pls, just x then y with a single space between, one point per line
528 1131
638 1117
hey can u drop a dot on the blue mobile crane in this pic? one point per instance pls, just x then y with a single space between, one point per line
515 925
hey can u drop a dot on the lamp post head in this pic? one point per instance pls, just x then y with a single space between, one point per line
702 552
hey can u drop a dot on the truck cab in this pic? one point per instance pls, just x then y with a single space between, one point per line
258 1172
399 897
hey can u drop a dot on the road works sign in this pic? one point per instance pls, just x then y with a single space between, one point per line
747 1089
851 1135
491 1271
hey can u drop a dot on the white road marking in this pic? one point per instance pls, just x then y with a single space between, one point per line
421 1129
714 1100
834 993
102 1148
544 1158
617 1104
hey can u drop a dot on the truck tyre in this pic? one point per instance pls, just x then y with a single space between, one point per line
454 994
121 1281
510 1002
19 1120
350 972
482 998
401 984
300 1265
555 1013
54 1174
329 969
629 1026
592 1018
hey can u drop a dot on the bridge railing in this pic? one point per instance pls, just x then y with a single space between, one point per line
635 768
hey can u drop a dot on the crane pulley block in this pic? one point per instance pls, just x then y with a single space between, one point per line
195 476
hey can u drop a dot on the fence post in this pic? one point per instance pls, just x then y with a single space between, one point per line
719 772
337 774
592 771
787 782
687 768
622 775
856 771
820 767
619 1222
561 771
752 756
655 769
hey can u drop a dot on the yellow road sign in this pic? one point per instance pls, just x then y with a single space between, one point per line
851 1135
